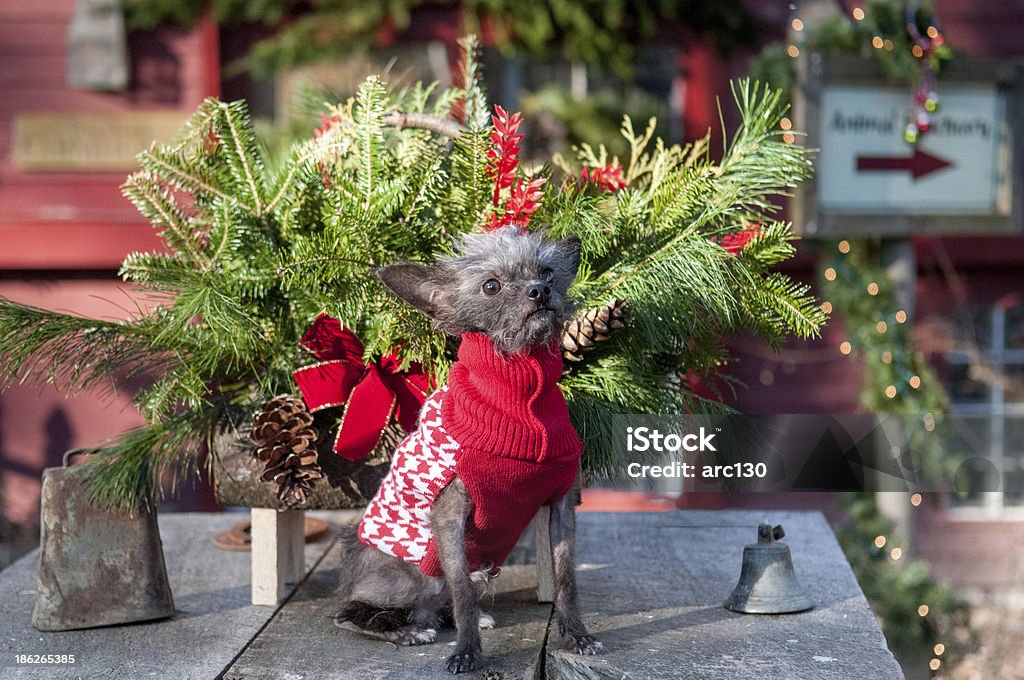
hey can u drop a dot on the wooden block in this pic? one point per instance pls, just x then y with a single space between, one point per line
293 529
545 558
277 553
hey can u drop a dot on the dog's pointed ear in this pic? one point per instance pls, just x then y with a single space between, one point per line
422 286
570 248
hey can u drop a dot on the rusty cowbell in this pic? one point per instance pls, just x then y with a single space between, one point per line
97 567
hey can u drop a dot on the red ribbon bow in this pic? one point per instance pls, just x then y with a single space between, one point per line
371 393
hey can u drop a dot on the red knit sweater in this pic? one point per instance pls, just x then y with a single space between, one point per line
502 426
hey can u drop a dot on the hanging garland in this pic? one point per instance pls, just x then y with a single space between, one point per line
916 611
904 38
924 99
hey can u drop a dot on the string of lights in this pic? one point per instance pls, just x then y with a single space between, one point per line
897 379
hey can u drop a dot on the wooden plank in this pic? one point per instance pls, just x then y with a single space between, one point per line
44 36
30 11
73 245
214 619
44 141
652 585
511 649
293 525
44 71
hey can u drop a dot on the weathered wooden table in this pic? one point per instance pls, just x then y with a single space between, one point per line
651 586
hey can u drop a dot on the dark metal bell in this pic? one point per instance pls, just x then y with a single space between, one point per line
97 567
767 582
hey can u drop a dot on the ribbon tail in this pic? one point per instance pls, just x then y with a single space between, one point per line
410 393
327 383
366 416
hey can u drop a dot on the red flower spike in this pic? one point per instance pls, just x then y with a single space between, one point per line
504 152
212 143
523 201
734 243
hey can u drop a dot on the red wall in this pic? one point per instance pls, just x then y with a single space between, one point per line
56 220
63 234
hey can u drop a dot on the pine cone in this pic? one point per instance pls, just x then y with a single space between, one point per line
286 441
593 326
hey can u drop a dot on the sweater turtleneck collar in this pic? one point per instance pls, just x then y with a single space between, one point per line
508 405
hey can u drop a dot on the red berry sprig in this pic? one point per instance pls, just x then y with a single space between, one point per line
607 177
734 243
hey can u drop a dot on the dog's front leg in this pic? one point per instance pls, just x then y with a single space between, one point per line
448 522
563 548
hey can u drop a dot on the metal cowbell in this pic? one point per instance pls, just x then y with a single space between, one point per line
768 584
97 567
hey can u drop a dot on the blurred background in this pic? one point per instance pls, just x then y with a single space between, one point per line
86 84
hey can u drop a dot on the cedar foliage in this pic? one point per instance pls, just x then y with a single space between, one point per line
255 249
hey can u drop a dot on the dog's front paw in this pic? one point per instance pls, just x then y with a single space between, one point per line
420 636
584 644
461 662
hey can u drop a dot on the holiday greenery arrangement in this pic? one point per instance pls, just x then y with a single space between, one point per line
258 248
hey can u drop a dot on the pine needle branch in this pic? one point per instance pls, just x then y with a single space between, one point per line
234 116
71 351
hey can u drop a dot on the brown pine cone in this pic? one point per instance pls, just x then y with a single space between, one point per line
595 325
286 441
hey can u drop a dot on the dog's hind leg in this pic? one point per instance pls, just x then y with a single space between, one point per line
391 625
384 597
448 522
563 547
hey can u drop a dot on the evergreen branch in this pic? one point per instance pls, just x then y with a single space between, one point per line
158 205
158 160
637 145
127 473
794 310
370 102
72 351
316 260
242 152
315 150
198 127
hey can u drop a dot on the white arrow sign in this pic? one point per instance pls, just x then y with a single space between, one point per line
866 166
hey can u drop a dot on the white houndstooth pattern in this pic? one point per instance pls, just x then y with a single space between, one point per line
397 520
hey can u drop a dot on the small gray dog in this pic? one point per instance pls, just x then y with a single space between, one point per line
492 447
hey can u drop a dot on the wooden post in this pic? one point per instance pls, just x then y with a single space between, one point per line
901 265
278 553
545 558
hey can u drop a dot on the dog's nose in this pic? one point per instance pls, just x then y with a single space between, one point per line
539 293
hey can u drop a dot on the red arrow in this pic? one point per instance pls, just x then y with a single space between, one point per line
919 165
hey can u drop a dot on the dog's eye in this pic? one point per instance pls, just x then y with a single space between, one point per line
491 287
547 276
